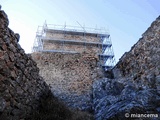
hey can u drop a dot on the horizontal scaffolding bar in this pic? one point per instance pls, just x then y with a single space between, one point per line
102 41
76 29
77 32
107 67
75 42
59 51
106 56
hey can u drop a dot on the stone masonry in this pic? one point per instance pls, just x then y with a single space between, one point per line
49 44
73 36
21 87
71 72
70 76
143 60
134 87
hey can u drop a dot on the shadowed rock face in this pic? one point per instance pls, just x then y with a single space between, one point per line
21 87
135 87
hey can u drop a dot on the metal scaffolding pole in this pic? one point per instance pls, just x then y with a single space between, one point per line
45 35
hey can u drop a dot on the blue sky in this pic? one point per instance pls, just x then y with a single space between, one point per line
126 20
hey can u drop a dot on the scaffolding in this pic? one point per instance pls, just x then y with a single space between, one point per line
103 41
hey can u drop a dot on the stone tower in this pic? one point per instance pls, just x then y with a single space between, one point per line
70 59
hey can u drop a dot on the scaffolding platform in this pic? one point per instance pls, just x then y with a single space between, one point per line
78 32
76 42
48 33
106 55
59 51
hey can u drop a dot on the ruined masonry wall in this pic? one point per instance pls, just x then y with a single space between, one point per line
86 37
21 86
51 45
70 76
135 86
142 62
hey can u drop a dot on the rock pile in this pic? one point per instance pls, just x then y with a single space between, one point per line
21 87
135 88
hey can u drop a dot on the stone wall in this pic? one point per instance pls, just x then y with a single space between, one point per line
143 60
77 47
21 87
70 76
72 36
135 84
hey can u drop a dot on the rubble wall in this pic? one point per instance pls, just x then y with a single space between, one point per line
143 60
21 87
70 76
135 87
72 36
50 45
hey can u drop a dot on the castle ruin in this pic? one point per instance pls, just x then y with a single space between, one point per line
70 59
75 39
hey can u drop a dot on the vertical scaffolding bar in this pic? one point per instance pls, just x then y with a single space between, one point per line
103 43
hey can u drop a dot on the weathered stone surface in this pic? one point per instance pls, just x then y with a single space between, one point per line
21 87
2 104
133 84
70 76
112 99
